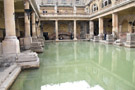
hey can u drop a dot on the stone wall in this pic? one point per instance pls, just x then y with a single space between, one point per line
65 10
2 23
66 27
108 26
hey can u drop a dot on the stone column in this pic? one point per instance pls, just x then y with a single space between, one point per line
27 39
33 26
115 25
74 10
101 28
56 9
75 30
11 43
91 26
38 28
56 30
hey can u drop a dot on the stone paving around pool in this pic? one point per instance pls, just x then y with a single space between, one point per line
11 66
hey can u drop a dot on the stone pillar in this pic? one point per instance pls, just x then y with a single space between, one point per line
74 10
27 39
75 30
115 25
37 24
34 35
11 43
101 28
91 25
38 29
56 29
56 9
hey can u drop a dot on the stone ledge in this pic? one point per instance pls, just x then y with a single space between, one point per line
6 73
10 79
24 60
28 60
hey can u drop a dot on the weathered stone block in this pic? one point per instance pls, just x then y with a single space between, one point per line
28 60
130 40
34 39
109 39
96 39
27 42
101 36
36 47
11 46
118 42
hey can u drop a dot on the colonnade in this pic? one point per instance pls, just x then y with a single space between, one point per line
57 31
115 26
10 44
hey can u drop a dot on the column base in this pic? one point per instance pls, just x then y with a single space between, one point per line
96 39
42 40
36 47
27 42
109 39
75 39
130 40
101 36
11 45
34 39
57 40
91 36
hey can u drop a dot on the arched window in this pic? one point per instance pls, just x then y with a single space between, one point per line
106 3
94 7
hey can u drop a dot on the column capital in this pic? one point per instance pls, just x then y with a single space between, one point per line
115 13
57 20
26 4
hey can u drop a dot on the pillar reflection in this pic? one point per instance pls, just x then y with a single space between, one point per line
101 54
57 51
115 54
75 51
133 71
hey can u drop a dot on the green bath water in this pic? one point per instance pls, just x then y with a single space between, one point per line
81 66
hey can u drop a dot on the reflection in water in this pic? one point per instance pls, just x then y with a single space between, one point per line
93 65
80 85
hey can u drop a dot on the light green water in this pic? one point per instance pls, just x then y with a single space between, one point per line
81 66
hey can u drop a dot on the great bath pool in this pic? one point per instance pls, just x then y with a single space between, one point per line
81 66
